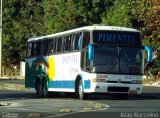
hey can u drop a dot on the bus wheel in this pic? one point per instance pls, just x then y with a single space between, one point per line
44 89
39 89
81 94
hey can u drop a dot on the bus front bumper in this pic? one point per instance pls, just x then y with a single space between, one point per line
116 88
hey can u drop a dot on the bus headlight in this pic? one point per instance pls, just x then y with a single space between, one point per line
137 81
99 80
94 80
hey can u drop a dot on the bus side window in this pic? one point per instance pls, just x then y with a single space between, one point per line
72 41
29 46
63 44
52 46
38 48
77 41
45 46
42 48
34 49
55 44
67 43
86 39
59 45
49 47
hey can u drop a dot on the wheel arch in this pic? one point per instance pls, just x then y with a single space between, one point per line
78 78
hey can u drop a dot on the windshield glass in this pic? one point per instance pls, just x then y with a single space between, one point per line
120 60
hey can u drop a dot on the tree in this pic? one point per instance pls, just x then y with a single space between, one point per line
118 15
90 11
62 15
21 20
59 15
148 13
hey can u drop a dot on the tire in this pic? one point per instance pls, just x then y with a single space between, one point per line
44 89
39 89
81 94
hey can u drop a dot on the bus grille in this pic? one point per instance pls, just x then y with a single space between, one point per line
118 89
125 82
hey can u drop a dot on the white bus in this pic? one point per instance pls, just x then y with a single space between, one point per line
87 60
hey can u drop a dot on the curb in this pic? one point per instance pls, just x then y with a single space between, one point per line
12 78
99 106
5 103
65 110
151 85
34 115
88 109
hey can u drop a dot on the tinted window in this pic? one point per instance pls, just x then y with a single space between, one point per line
46 47
121 60
59 45
86 39
38 48
67 43
77 41
42 47
34 49
29 47
55 44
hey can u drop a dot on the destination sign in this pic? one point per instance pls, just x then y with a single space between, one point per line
117 37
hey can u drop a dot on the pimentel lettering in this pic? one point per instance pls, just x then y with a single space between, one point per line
117 38
69 59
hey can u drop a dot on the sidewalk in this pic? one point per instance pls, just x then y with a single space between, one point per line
12 77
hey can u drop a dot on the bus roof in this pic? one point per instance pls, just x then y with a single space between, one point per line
88 28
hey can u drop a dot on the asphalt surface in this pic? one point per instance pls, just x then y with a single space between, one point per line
24 104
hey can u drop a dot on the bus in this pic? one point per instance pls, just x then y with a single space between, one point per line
87 60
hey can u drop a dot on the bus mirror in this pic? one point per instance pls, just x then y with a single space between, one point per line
90 52
149 51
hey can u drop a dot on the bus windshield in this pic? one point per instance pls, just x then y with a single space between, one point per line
118 60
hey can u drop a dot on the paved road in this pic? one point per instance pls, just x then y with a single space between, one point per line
26 103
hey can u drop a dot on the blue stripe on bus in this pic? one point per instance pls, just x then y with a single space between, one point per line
68 84
87 84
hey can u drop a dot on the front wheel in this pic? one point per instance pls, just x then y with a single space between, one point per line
81 94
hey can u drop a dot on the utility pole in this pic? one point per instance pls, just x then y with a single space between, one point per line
1 15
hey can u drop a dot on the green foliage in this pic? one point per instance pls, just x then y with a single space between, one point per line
148 13
29 18
90 11
60 17
118 15
21 20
